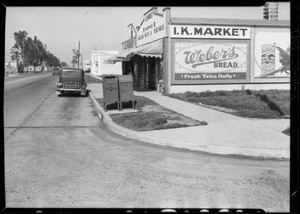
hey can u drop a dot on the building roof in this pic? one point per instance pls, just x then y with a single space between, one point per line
104 52
235 22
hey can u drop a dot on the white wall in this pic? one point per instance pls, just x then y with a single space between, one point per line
99 68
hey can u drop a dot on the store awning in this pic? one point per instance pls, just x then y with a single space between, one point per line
114 59
153 49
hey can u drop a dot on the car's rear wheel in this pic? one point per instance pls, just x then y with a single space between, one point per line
83 95
61 94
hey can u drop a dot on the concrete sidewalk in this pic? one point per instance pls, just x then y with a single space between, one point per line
224 134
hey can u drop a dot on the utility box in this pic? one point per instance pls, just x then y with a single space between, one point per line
110 90
125 89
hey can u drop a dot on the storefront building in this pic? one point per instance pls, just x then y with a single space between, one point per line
192 54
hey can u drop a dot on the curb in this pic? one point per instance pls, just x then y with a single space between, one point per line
181 144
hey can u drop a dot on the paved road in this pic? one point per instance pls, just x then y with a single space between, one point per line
58 153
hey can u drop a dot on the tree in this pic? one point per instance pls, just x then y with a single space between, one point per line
75 58
18 49
52 60
42 54
30 51
63 64
34 52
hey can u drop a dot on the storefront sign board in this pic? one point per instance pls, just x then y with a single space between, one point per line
128 44
152 29
209 32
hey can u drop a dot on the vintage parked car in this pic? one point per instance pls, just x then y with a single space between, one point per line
55 71
71 80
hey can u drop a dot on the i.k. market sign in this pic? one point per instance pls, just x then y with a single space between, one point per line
217 32
210 61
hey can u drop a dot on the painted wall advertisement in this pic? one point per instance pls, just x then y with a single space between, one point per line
152 28
272 54
195 62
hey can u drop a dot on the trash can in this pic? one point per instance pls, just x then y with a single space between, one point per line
110 90
125 89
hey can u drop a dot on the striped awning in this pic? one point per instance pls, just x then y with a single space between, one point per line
114 59
153 49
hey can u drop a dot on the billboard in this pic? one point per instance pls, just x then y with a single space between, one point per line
272 54
197 61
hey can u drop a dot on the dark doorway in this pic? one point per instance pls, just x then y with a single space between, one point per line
152 73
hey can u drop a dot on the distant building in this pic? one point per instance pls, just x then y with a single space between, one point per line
29 68
11 67
98 67
86 64
271 11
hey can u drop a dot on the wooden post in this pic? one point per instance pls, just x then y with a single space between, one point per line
167 52
146 77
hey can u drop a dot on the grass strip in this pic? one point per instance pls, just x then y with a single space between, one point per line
266 104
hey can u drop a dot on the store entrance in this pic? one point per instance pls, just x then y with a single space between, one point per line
152 73
144 71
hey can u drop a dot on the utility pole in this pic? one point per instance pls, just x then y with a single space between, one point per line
78 53
81 64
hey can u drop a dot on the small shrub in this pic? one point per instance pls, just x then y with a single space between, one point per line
248 91
220 93
206 94
160 121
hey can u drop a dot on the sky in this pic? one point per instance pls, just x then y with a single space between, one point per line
102 28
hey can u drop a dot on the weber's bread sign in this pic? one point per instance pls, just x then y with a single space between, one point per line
210 58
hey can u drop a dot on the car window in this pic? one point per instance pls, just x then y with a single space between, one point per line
71 73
